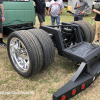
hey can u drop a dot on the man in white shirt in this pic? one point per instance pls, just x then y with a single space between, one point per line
55 9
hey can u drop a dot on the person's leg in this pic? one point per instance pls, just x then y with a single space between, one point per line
97 31
1 31
94 25
58 20
80 17
53 20
41 24
98 36
40 19
1 38
75 17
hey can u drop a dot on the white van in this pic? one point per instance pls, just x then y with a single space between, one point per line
96 4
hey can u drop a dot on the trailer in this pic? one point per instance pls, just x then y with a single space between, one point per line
30 49
71 4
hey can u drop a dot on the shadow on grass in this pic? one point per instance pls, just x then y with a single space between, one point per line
60 65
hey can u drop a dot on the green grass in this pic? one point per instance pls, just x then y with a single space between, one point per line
49 80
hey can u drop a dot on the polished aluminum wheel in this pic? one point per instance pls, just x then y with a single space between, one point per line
19 55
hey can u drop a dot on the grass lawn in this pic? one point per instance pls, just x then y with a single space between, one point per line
48 80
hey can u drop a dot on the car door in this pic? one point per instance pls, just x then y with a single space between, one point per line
18 12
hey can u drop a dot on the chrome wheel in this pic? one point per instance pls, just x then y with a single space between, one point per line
19 55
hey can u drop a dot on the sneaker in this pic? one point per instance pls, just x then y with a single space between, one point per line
96 42
3 44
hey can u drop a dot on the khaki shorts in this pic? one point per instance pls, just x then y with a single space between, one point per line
96 25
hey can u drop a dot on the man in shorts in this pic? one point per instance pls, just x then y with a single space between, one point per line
79 7
55 9
96 24
40 10
2 19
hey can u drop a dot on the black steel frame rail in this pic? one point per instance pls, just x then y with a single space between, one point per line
88 70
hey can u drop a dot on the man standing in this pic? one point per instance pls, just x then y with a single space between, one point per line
80 6
96 24
40 10
2 19
55 10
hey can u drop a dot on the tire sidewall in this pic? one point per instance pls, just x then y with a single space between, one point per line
24 74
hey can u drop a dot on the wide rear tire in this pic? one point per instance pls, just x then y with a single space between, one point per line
25 53
84 31
46 44
91 29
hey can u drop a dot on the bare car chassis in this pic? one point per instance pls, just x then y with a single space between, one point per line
70 43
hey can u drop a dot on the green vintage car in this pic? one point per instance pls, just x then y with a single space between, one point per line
18 12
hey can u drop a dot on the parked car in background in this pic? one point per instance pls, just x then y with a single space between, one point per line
65 2
96 4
